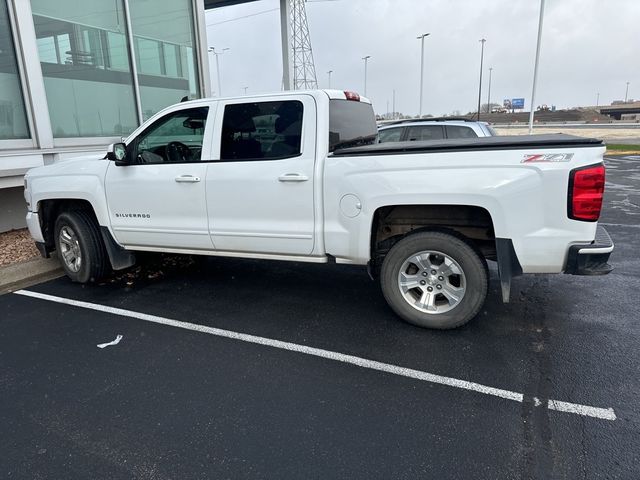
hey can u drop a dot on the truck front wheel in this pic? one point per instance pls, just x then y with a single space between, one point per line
80 247
434 280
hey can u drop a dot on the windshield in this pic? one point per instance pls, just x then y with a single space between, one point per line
351 124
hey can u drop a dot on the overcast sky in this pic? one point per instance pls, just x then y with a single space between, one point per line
588 46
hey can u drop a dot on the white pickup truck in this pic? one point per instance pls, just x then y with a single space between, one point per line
299 176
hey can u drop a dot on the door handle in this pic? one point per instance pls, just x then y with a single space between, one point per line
187 179
293 177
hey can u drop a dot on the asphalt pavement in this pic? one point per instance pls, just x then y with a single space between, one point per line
290 370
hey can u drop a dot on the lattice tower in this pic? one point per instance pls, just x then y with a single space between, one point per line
304 70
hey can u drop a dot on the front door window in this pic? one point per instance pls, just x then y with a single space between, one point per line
174 138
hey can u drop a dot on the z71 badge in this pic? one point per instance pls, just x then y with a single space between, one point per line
547 157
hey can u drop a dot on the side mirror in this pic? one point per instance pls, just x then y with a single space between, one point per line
118 153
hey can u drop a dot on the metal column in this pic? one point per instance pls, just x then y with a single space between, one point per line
285 37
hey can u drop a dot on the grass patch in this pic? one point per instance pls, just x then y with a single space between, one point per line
619 147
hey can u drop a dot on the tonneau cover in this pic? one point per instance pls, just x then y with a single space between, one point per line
506 142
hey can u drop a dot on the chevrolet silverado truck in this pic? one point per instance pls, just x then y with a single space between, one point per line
300 176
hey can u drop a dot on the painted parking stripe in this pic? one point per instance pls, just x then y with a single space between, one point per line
618 225
557 405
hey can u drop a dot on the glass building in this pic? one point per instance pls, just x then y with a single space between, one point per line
77 76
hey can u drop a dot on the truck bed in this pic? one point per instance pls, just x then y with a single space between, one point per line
507 142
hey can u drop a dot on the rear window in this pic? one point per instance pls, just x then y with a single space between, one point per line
351 124
458 131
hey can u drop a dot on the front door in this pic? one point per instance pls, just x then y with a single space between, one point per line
158 199
260 191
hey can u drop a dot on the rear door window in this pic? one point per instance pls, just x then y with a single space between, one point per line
425 132
459 131
261 130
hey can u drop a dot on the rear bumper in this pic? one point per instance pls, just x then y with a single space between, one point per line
591 258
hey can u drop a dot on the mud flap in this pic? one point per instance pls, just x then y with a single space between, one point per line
508 265
118 256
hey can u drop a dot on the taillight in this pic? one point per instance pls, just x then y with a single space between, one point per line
586 188
352 96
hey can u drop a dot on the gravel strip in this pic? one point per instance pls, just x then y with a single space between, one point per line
16 246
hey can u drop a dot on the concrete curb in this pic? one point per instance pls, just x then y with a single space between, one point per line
621 153
30 272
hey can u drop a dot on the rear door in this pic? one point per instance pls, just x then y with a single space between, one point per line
260 188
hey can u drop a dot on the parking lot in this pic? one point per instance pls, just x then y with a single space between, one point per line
233 368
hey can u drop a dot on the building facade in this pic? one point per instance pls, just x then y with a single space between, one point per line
77 76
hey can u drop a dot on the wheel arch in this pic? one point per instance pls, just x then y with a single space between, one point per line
50 209
472 223
390 223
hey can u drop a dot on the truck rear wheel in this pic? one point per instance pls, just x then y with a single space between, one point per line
434 280
80 247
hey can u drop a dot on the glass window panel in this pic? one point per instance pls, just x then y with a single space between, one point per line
458 131
261 130
425 132
106 15
351 124
90 88
64 46
174 138
117 51
390 135
171 58
13 118
166 79
47 50
148 56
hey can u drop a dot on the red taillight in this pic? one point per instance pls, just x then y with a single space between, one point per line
352 96
586 188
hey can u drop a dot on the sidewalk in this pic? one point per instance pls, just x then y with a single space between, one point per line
29 272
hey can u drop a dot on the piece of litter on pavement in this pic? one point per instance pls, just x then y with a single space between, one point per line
114 342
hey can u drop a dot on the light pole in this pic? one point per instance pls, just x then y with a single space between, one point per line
626 93
482 40
421 38
535 68
366 60
598 100
245 90
329 73
489 94
213 50
393 107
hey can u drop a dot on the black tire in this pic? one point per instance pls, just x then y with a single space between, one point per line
475 279
94 260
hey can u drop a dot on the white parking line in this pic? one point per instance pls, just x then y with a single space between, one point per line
557 405
618 225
